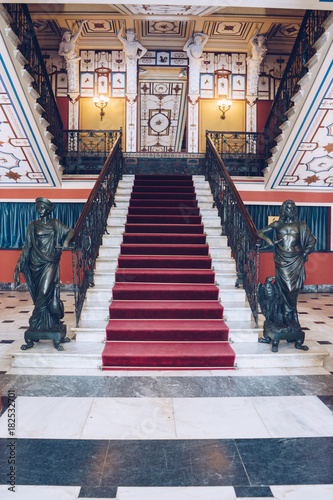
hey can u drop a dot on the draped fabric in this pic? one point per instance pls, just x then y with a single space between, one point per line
315 217
15 217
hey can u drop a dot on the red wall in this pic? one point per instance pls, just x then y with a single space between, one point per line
8 259
263 109
318 269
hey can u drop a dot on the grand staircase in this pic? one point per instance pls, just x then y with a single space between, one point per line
138 290
165 311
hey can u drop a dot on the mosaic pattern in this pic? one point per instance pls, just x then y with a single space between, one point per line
312 163
228 29
162 114
18 161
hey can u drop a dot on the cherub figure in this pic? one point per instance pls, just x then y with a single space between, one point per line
68 45
131 45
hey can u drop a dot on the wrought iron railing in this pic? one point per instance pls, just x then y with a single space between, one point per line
91 226
237 225
243 153
310 31
86 151
22 26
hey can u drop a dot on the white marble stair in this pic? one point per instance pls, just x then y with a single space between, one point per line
86 351
96 306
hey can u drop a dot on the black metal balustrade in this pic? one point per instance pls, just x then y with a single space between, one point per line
237 225
243 153
92 223
86 151
22 26
310 31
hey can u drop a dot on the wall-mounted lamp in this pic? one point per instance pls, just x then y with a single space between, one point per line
224 105
101 102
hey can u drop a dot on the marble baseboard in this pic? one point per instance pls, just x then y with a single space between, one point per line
64 287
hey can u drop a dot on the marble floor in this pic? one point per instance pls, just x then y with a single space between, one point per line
190 435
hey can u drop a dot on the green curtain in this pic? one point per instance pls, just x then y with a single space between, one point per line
15 217
315 217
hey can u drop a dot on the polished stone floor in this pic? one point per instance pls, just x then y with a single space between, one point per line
252 433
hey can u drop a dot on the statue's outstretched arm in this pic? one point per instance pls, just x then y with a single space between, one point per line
77 34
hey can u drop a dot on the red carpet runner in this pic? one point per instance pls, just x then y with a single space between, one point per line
165 312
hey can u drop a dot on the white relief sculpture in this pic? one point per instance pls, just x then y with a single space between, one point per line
133 51
194 48
68 50
258 52
131 46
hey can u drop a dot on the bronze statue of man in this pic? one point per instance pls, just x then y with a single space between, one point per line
293 241
39 263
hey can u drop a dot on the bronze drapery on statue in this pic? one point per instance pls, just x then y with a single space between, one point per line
293 241
39 264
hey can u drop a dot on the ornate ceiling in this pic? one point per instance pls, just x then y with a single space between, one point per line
160 26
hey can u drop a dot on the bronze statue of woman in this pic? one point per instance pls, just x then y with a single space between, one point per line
292 244
39 264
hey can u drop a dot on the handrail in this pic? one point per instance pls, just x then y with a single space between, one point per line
236 223
249 222
85 151
243 153
97 186
92 225
21 24
311 29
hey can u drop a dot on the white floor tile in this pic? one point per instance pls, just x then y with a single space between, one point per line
177 493
305 492
130 418
48 418
217 418
40 492
294 416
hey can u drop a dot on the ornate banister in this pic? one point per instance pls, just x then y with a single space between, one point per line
243 153
22 26
310 31
237 225
85 151
92 224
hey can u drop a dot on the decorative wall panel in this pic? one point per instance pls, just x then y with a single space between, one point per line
161 113
18 162
312 163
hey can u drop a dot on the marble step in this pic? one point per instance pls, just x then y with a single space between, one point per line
217 241
95 309
108 264
225 278
236 311
117 220
87 355
106 278
215 230
243 331
75 355
103 292
223 264
112 240
257 355
220 252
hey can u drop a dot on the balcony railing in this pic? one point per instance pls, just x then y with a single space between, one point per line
86 151
236 223
243 153
22 26
310 31
92 224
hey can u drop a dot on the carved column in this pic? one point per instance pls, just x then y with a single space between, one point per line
131 106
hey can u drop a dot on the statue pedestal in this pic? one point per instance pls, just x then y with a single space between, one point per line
274 332
58 336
